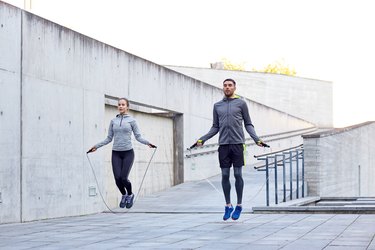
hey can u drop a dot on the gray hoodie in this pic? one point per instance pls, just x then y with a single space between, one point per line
228 116
121 128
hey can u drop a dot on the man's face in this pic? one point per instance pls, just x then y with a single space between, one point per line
229 88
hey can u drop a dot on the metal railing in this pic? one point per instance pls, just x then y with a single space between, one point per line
292 161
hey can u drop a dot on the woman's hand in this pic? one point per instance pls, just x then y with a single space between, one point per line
152 146
93 149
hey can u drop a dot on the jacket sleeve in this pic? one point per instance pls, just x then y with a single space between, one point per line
137 133
247 122
109 137
214 129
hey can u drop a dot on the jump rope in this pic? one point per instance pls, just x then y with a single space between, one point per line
212 185
144 175
140 186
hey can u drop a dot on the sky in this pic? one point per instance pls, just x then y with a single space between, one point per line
329 40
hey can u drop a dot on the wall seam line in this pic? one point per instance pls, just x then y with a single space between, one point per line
21 122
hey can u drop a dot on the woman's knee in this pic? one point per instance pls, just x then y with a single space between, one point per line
118 180
125 181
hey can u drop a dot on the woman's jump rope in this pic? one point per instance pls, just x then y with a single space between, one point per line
140 186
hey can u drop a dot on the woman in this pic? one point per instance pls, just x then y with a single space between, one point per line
120 129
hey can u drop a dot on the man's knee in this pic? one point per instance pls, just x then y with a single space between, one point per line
238 177
225 173
238 173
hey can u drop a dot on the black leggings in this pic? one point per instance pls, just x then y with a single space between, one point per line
225 182
122 162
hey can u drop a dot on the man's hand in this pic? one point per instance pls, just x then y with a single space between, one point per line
262 144
199 143
152 145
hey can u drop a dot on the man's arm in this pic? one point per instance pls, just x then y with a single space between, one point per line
248 124
213 131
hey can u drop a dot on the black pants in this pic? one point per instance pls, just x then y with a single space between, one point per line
239 184
122 162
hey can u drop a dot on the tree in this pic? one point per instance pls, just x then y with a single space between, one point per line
278 67
228 65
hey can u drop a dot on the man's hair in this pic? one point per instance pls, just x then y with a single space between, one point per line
126 100
230 80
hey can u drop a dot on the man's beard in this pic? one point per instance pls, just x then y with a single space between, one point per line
228 94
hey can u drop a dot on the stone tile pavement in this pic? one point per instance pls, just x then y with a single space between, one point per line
189 216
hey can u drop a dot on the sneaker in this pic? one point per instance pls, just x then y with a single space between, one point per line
228 212
123 200
129 201
237 212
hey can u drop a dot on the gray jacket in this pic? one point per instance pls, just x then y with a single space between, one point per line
120 129
228 116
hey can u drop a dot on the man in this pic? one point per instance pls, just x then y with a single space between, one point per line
229 114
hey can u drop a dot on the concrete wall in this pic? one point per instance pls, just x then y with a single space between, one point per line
305 98
54 84
10 116
341 162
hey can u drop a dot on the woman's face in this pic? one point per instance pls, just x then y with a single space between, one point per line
122 106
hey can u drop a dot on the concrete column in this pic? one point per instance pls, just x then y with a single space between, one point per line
178 154
312 166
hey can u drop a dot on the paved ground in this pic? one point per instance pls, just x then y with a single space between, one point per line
189 216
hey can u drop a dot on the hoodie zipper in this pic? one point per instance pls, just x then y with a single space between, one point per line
228 120
121 120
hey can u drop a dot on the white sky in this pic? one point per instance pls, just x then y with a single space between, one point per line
322 39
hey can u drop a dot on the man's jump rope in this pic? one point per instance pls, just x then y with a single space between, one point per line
140 186
211 184
144 175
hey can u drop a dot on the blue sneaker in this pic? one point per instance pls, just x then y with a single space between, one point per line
237 212
123 200
228 212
